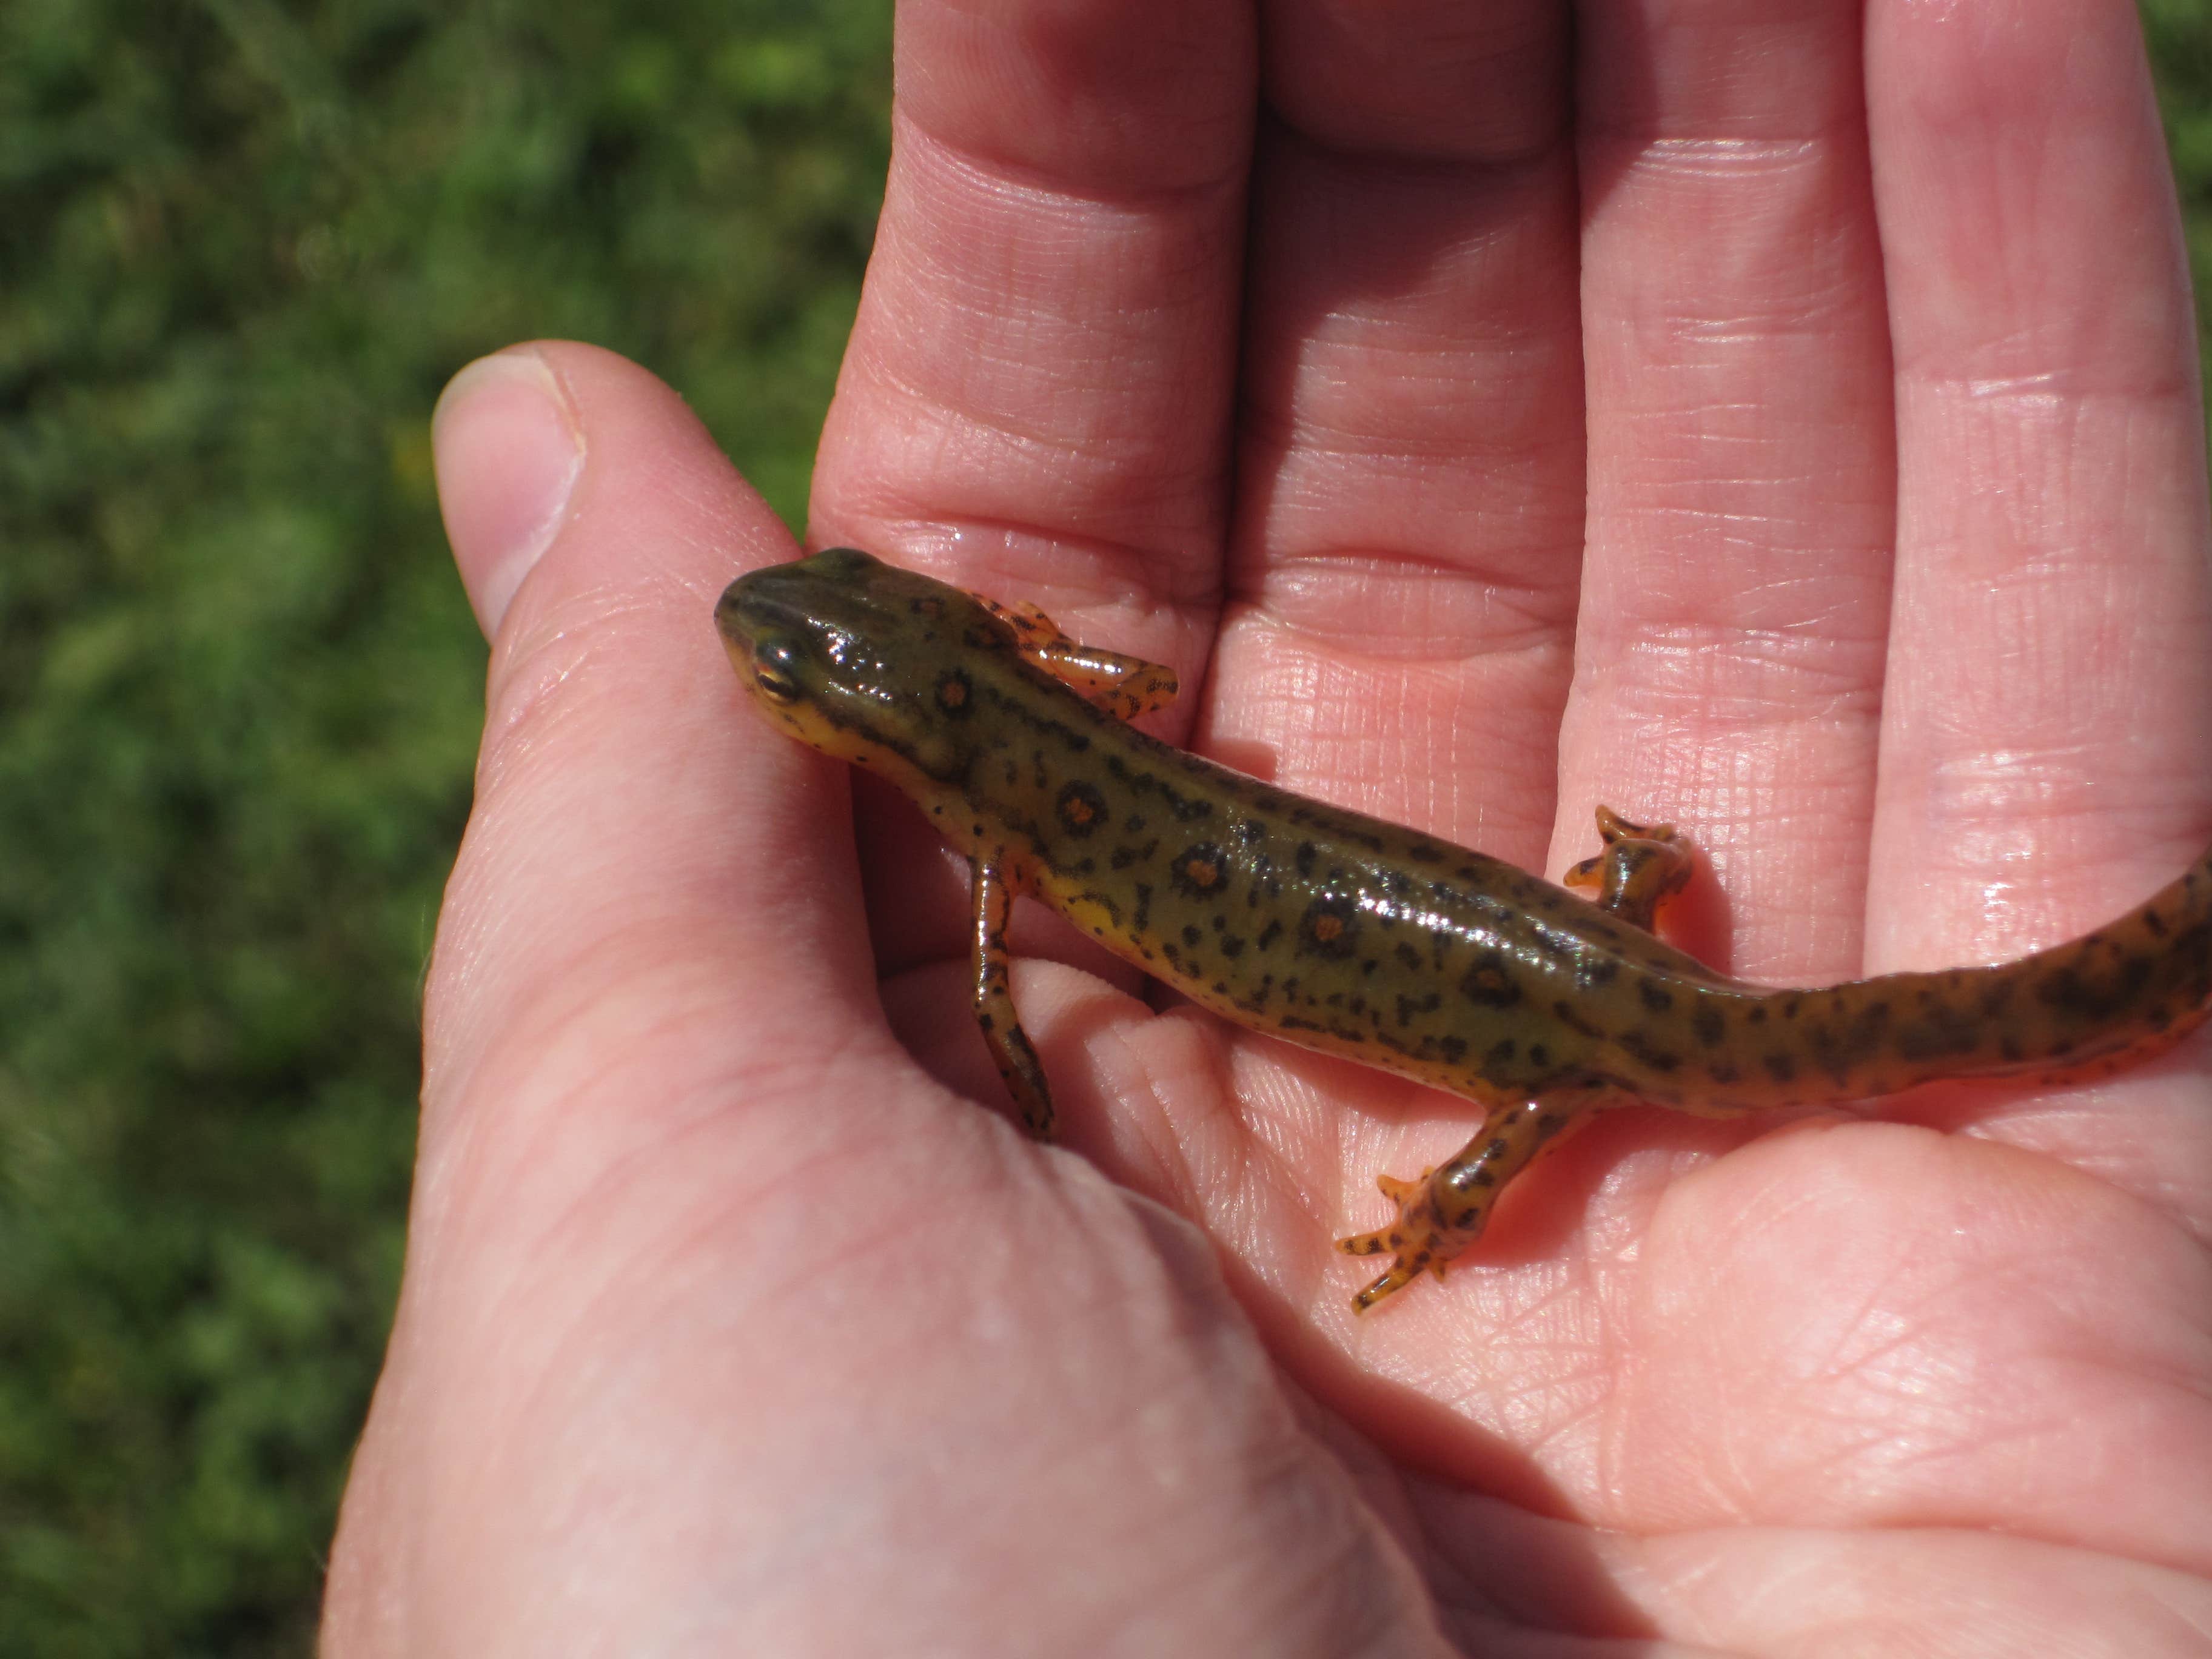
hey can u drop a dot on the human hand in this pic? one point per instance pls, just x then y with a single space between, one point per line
1518 459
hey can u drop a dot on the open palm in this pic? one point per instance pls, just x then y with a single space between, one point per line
1778 420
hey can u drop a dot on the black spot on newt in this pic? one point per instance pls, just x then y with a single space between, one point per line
1409 1006
1574 1019
1648 1050
1123 857
1594 971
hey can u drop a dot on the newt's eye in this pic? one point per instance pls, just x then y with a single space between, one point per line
773 663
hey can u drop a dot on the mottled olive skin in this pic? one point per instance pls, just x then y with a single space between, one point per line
1356 937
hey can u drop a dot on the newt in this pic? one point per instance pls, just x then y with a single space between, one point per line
1355 937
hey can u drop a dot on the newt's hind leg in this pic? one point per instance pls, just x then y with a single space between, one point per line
1642 868
994 1002
1445 1210
1123 686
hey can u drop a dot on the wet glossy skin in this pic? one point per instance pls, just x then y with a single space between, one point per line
1358 937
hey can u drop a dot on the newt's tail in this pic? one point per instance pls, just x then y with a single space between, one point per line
2131 989
2079 1010
2120 994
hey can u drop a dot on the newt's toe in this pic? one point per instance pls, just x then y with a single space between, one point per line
1402 1272
1401 1193
1410 1240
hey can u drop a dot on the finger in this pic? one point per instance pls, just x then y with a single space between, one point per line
2046 754
2047 745
1034 400
591 945
1410 473
607 689
1736 590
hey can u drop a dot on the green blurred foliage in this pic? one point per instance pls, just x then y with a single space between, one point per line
2179 34
241 246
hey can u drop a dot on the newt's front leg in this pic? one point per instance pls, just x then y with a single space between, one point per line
995 1003
1443 1210
1124 686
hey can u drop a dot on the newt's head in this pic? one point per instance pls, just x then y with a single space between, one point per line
861 659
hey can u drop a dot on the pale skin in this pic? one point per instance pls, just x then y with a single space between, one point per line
1792 433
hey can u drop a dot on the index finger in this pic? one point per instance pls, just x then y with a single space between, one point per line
1034 400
